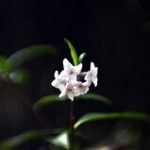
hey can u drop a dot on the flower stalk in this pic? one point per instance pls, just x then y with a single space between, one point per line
72 121
73 82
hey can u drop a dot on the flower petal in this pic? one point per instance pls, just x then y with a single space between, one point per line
56 74
78 69
66 64
91 76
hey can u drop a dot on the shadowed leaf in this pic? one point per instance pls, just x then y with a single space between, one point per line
50 99
91 117
29 53
62 141
19 76
4 66
14 142
96 97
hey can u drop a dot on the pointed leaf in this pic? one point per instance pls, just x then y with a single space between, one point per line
14 142
62 140
73 52
91 117
96 97
49 99
25 54
81 57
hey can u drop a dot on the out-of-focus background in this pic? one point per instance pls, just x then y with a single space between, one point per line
115 35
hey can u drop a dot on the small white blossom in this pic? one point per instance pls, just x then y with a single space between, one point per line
91 75
81 88
59 82
69 80
68 91
70 70
74 89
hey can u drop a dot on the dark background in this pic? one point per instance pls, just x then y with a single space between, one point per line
115 34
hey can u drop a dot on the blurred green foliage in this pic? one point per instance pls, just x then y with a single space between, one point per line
14 142
10 70
49 99
92 117
10 67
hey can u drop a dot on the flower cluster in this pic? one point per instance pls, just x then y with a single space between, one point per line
69 82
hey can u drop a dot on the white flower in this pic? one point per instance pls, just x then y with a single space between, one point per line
91 75
69 81
68 91
59 82
81 88
71 71
74 89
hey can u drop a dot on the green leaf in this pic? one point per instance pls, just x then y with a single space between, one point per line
4 66
73 52
14 142
2 63
81 57
92 117
62 140
96 97
26 54
49 99
19 76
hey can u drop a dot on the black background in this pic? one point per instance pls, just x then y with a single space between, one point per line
115 35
